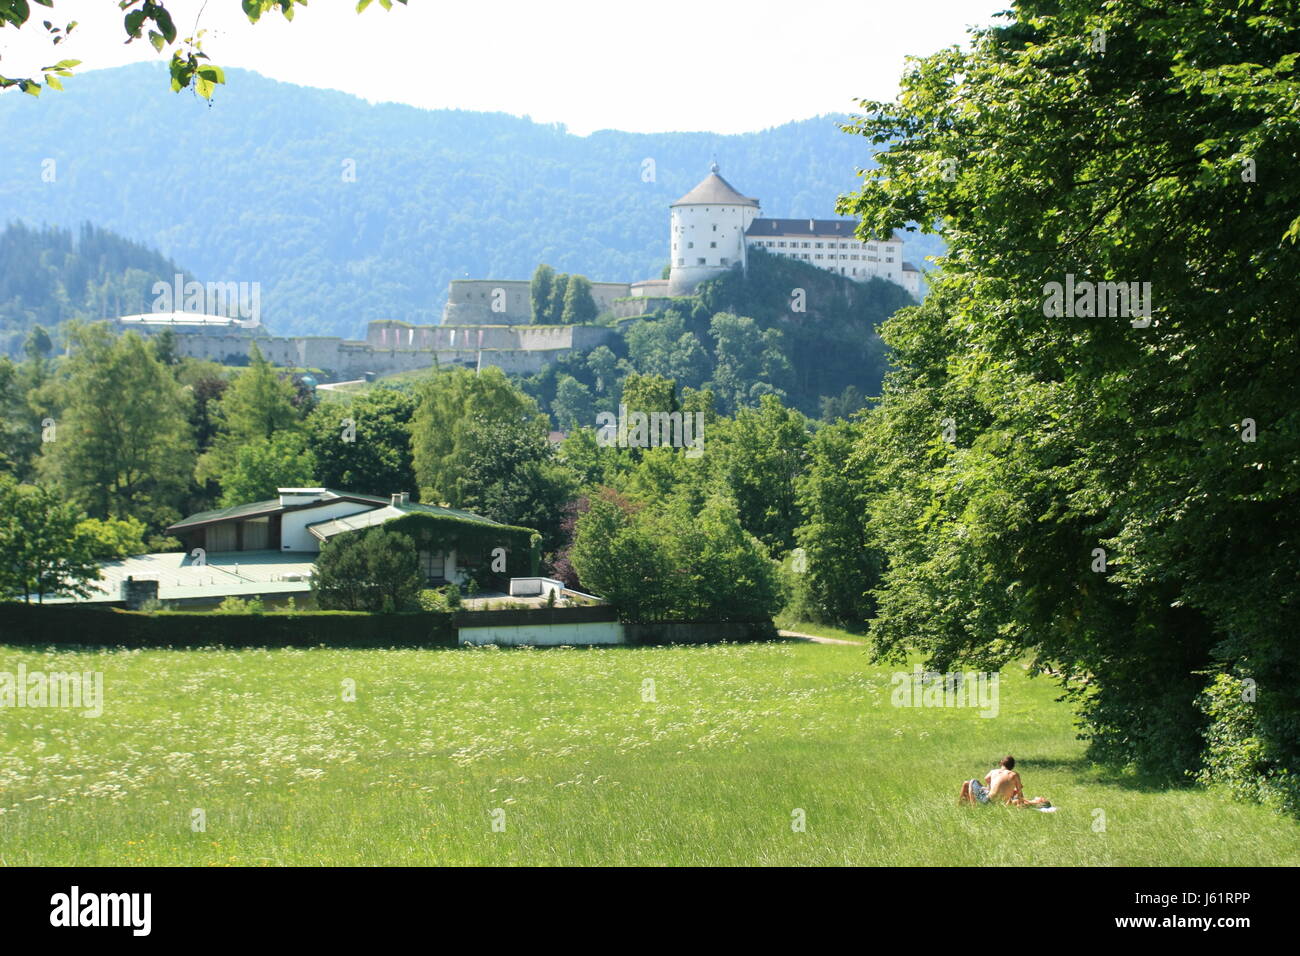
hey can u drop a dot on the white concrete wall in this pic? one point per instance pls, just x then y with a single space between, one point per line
545 635
294 535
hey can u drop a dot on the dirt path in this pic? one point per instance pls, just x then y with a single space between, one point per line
816 639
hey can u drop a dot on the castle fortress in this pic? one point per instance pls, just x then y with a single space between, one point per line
489 321
711 230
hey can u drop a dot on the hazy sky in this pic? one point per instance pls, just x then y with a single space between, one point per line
641 66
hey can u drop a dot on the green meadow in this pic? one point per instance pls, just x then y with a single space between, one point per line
665 755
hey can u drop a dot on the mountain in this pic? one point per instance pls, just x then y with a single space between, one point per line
254 188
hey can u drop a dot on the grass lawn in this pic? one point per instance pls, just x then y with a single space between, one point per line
586 771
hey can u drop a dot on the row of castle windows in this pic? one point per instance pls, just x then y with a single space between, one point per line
774 244
701 261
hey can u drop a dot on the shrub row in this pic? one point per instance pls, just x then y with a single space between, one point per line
35 625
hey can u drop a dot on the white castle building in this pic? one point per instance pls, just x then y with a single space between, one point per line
713 227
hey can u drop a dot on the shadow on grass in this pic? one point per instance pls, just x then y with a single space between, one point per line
1096 774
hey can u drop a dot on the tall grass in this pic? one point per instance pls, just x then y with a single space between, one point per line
586 767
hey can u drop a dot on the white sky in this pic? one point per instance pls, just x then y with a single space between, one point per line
638 65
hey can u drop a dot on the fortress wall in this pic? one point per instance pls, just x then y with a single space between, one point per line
488 302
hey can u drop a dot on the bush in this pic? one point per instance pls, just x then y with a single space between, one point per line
1237 755
375 570
36 626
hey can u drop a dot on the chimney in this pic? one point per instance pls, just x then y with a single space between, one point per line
811 228
406 497
396 498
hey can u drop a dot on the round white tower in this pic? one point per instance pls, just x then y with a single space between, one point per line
708 232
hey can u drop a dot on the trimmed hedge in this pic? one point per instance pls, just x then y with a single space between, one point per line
87 626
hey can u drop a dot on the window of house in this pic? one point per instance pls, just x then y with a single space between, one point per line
724 262
699 261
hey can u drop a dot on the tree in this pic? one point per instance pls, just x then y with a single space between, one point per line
365 445
43 551
1083 481
573 405
664 347
539 291
837 569
123 446
265 465
579 306
749 362
111 539
375 570
257 405
673 560
511 475
453 407
759 456
189 66
559 289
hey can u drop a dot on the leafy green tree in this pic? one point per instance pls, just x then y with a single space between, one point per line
264 465
510 474
539 290
749 362
365 445
559 290
579 305
110 539
1106 487
759 456
664 347
674 561
375 570
836 570
258 404
573 405
603 364
454 406
617 558
123 446
43 551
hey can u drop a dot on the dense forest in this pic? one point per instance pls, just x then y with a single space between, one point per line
50 275
373 209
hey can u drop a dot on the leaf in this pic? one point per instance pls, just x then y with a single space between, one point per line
157 40
133 22
362 4
30 87
164 21
52 82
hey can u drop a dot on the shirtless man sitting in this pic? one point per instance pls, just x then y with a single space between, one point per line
1001 785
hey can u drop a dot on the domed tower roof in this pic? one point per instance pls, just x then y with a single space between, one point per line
713 190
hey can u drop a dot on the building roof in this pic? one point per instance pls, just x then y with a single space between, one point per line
184 319
713 190
258 509
324 530
908 267
813 228
222 573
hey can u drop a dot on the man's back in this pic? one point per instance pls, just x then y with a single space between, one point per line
1003 784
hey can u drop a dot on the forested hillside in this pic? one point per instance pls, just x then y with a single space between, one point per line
50 275
346 211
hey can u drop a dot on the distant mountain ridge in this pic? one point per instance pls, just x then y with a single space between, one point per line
255 187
